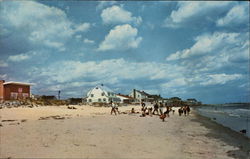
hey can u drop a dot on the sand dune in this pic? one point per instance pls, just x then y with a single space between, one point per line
91 132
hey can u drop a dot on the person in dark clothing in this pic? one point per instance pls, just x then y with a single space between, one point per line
185 110
180 111
156 107
188 110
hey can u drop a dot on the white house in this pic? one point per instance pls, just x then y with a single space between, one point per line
139 95
125 99
101 94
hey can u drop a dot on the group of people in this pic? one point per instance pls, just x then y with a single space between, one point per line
157 109
184 110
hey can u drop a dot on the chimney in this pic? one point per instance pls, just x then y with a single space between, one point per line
134 93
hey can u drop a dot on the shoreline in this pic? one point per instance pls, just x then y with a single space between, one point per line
91 132
230 136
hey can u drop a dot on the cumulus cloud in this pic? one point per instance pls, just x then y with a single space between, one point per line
112 70
207 43
104 4
121 37
39 24
194 10
3 64
117 15
239 14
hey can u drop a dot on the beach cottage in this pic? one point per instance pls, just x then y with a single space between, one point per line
101 94
145 97
14 90
125 99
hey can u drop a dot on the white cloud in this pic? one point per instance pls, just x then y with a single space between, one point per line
39 24
122 37
3 64
220 79
116 15
109 70
104 4
21 57
87 41
206 44
82 27
239 14
195 9
18 58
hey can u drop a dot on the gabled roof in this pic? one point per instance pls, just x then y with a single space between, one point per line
18 83
143 93
102 87
124 96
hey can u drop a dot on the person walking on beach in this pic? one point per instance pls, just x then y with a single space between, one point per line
180 111
161 108
113 108
167 111
188 110
156 107
185 110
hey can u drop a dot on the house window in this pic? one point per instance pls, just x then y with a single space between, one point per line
104 99
13 95
90 100
103 93
99 99
25 95
92 95
108 94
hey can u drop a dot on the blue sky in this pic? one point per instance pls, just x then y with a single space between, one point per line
186 49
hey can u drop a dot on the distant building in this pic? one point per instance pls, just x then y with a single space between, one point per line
14 90
125 99
101 94
144 97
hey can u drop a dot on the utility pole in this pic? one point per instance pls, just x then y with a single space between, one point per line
59 92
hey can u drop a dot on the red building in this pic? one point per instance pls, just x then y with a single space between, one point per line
14 90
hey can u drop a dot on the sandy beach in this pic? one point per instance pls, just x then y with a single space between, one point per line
91 132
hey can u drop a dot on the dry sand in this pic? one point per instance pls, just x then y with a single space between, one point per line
91 132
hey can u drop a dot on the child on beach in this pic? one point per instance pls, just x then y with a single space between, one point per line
163 116
113 108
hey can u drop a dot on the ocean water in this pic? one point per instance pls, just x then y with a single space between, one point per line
234 116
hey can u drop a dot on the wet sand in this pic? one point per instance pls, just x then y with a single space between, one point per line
91 132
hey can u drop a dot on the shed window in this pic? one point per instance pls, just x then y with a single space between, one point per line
13 95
